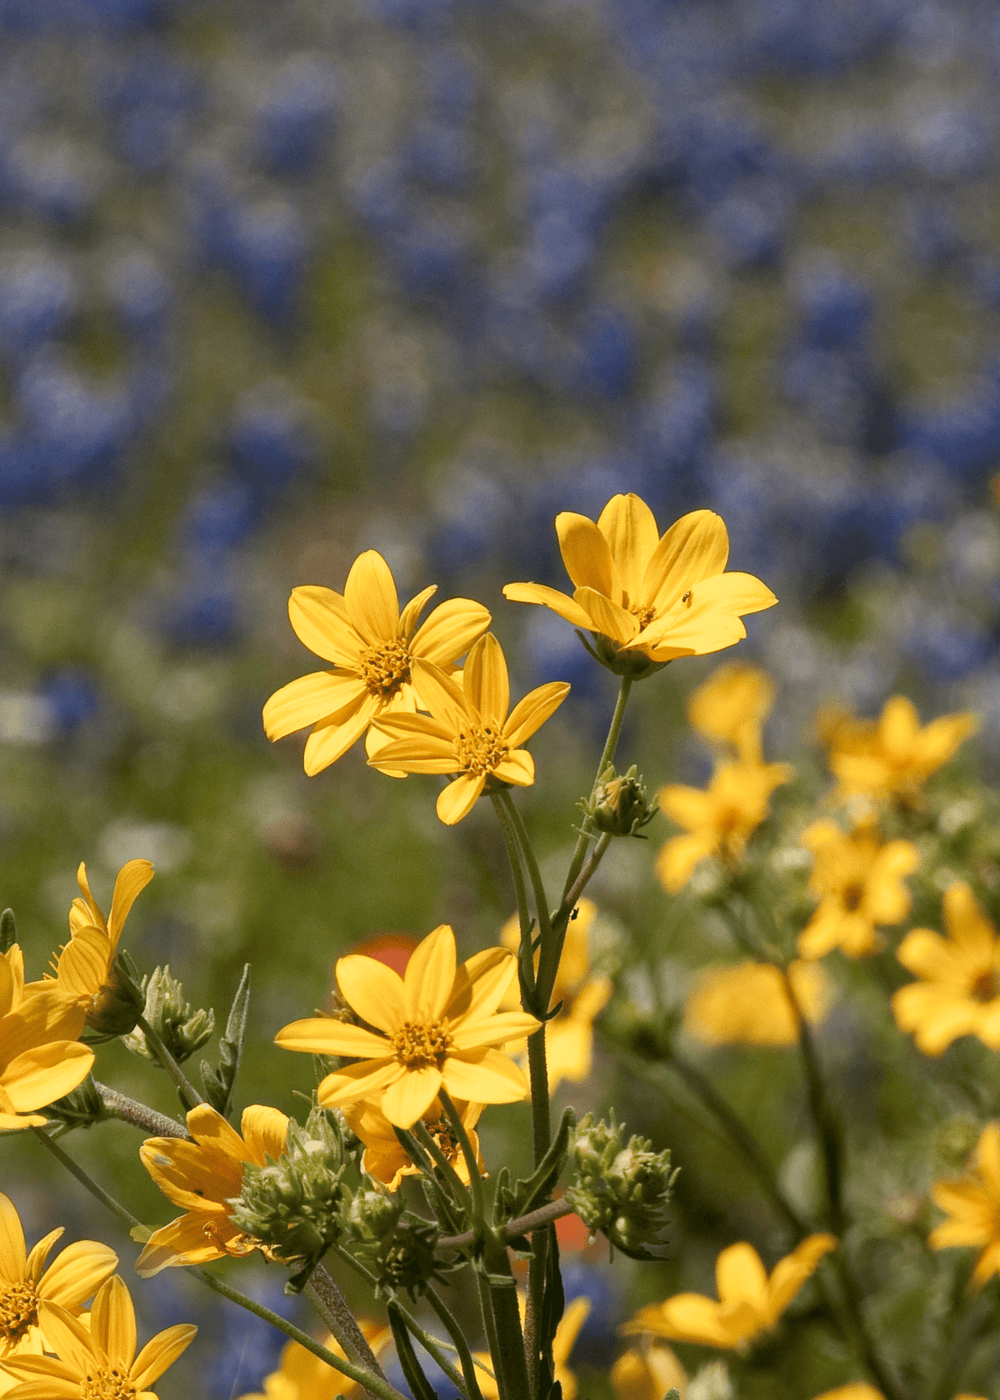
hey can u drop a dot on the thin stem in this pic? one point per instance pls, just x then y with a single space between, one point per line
375 1385
610 745
514 860
492 1340
463 1196
572 897
475 1176
184 1087
509 1362
131 1111
523 1225
547 954
88 1181
332 1307
456 1334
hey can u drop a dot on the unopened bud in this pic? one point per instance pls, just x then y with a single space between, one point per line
116 1008
621 1189
634 664
620 805
182 1030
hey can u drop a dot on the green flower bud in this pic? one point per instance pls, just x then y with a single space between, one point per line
623 663
80 1108
374 1214
293 1206
620 805
118 1005
621 1189
182 1030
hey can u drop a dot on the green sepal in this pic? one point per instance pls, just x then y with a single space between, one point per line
80 1108
219 1084
415 1378
526 1196
140 1233
8 931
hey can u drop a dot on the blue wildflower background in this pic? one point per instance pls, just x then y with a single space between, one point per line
281 281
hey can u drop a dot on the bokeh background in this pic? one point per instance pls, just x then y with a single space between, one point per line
281 280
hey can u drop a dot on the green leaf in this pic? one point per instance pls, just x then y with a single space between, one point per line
525 1196
8 931
415 1378
219 1084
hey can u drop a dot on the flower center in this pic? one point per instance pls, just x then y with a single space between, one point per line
643 613
107 1385
985 985
851 897
418 1046
18 1311
385 667
480 749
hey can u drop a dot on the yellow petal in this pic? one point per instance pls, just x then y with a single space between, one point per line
372 989
41 1075
366 1080
38 1254
439 694
587 555
695 548
687 1317
459 798
429 978
549 598
531 713
481 983
517 768
265 1131
408 617
411 1096
132 879
629 527
484 1076
607 617
450 630
431 754
740 1276
77 1272
112 1324
322 695
181 1243
330 741
160 1352
66 1336
496 1029
790 1273
13 1261
211 1130
485 683
370 595
320 620
322 1036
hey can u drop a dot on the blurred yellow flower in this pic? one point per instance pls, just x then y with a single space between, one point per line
749 1301
647 1372
730 709
438 1025
304 1376
385 1158
973 1203
372 646
959 990
859 884
893 757
40 1060
644 598
856 1390
719 820
563 1342
202 1177
25 1283
569 1039
96 1359
748 1004
468 730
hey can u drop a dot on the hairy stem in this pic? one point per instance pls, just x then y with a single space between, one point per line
610 745
189 1094
131 1111
332 1308
86 1180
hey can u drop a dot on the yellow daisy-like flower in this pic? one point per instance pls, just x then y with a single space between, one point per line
96 1362
748 1004
84 967
569 1037
719 820
891 758
730 709
647 599
435 1027
749 1303
859 884
973 1203
567 1331
304 1376
25 1282
40 1060
202 1177
372 646
468 730
647 1372
386 1160
861 1390
959 990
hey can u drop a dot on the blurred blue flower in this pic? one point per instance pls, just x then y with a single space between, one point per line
294 122
72 698
150 102
269 445
596 1344
206 610
218 519
142 293
37 297
83 428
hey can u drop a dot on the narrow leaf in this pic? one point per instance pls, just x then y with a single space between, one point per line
8 931
419 1385
219 1084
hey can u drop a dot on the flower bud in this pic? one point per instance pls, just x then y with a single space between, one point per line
182 1030
374 1214
634 664
81 1108
117 1006
620 805
621 1189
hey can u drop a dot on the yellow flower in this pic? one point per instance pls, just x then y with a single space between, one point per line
385 1158
749 1301
84 967
372 647
719 820
40 1060
748 1004
569 1039
973 1202
959 990
303 1376
468 730
647 599
25 1283
203 1176
434 1027
857 1390
859 883
893 757
96 1362
647 1373
730 709
562 1344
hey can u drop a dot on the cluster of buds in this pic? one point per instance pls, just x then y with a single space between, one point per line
398 1249
621 1189
619 804
293 1206
182 1030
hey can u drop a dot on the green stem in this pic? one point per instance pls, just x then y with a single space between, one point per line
463 1196
492 1339
374 1385
475 1176
499 1295
456 1334
517 874
570 900
522 1225
186 1090
610 745
131 1111
331 1305
547 954
87 1181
